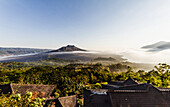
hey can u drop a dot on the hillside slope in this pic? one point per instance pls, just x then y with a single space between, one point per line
19 51
68 48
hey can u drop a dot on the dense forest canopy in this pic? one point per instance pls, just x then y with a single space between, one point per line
73 78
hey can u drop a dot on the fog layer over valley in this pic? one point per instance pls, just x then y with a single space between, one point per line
64 58
76 55
150 54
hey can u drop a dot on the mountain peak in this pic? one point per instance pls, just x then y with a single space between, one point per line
68 48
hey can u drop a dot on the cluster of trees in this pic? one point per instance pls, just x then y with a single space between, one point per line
118 67
73 78
104 59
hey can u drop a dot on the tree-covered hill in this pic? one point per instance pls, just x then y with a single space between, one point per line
18 51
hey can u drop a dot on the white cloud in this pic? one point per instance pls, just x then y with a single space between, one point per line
141 56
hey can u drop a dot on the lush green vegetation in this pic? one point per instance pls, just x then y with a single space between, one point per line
17 100
73 78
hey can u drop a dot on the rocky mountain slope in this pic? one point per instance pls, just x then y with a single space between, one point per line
68 48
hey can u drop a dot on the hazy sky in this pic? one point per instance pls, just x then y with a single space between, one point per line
92 24
107 25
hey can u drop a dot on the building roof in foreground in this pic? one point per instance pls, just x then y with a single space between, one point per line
128 85
163 89
67 101
129 81
127 93
38 90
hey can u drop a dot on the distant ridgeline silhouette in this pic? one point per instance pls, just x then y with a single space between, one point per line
68 48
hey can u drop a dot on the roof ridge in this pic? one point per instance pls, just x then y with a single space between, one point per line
159 88
66 97
31 84
129 79
129 91
134 85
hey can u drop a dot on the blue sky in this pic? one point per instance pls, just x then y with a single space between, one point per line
107 25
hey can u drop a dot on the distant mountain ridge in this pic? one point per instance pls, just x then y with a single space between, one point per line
68 48
157 47
19 51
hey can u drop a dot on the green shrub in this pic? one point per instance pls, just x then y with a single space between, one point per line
16 100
